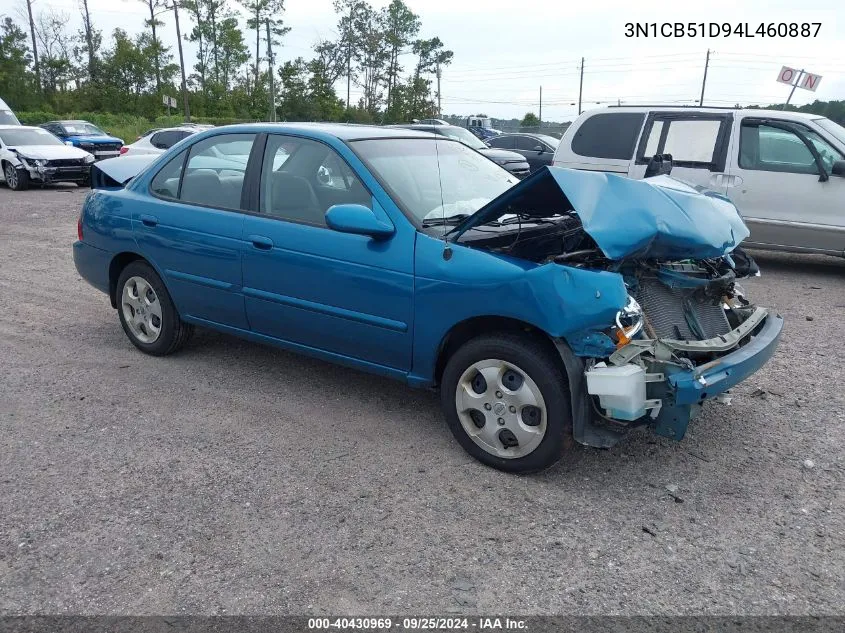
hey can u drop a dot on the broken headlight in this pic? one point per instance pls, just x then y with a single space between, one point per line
629 321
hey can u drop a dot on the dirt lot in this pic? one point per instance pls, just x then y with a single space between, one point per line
235 478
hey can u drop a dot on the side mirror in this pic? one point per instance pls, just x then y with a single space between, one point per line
358 219
539 149
838 169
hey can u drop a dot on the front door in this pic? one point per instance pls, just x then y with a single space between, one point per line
779 191
698 142
346 295
193 234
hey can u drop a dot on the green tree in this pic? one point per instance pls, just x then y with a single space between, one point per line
159 52
401 26
530 120
17 84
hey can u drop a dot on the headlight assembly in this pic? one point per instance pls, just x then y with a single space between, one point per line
629 321
88 159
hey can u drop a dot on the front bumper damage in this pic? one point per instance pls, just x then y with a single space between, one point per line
675 392
45 175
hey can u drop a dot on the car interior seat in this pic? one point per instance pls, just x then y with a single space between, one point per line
292 197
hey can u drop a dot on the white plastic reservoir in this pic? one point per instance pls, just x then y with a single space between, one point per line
621 389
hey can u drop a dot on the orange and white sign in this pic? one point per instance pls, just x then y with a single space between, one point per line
799 78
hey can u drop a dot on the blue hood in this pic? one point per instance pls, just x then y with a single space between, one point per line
660 218
79 138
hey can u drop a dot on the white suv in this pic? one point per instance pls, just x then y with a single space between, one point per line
160 140
785 171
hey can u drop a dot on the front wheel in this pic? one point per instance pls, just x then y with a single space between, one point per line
506 401
147 313
17 179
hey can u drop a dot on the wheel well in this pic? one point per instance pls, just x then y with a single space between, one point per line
479 326
118 263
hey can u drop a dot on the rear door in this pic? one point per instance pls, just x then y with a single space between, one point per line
780 190
603 141
192 233
699 143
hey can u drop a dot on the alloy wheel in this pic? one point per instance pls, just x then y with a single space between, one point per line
141 309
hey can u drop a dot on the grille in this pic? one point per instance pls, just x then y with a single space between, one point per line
65 162
667 309
106 147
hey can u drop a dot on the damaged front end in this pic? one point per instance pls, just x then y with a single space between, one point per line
687 332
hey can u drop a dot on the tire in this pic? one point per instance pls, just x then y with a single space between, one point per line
16 179
147 313
85 182
542 438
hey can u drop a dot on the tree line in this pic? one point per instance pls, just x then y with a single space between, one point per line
45 65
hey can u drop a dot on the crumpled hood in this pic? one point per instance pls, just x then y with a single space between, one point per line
659 217
49 152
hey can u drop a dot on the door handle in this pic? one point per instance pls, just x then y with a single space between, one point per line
261 242
148 220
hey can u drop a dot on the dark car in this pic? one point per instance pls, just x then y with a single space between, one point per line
513 162
87 136
538 149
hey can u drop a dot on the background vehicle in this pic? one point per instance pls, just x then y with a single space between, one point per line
481 126
538 149
414 257
783 170
86 136
30 154
159 140
7 117
431 122
513 162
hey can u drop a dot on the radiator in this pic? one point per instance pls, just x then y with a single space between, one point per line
667 309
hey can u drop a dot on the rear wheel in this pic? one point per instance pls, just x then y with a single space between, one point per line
147 313
16 178
506 401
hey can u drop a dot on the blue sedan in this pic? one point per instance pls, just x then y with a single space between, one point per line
570 306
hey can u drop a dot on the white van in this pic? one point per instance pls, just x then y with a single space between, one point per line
7 117
785 171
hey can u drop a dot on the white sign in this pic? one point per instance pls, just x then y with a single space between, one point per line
799 78
169 101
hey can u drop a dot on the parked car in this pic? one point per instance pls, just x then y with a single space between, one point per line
481 126
431 122
541 316
159 140
538 149
785 171
86 136
7 117
30 154
513 162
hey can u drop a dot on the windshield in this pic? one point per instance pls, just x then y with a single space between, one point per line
7 117
408 169
460 134
82 128
835 130
28 136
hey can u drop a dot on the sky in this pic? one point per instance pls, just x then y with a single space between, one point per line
506 50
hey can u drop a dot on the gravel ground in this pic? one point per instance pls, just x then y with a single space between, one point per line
235 478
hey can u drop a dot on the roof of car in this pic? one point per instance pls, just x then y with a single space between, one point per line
342 131
755 112
19 127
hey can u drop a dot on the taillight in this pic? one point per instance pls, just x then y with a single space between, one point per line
79 228
123 150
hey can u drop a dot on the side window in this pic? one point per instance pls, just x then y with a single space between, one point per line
653 139
611 135
301 179
501 142
526 143
692 141
159 140
166 181
214 172
768 148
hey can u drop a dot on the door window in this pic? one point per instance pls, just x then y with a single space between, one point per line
166 181
302 178
768 148
608 135
167 139
527 144
697 142
501 142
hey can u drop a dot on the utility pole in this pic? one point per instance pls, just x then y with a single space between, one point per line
541 108
581 86
181 63
349 62
438 89
704 81
34 47
794 86
272 82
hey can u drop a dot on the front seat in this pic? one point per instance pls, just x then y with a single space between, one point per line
201 186
293 198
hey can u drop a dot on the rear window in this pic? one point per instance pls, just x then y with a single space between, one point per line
608 135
